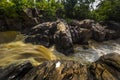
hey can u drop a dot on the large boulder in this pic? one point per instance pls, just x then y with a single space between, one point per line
42 34
80 35
80 30
98 32
106 68
63 39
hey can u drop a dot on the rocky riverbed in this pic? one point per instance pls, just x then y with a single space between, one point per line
105 68
19 60
59 50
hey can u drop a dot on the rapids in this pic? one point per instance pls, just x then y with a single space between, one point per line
94 51
13 49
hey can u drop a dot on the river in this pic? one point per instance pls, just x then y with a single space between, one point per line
13 48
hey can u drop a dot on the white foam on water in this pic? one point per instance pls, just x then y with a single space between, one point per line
96 50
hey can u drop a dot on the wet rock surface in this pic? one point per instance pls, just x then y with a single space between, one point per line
63 39
106 67
15 71
42 34
58 70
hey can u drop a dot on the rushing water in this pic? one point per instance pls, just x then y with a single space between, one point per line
12 49
19 51
94 51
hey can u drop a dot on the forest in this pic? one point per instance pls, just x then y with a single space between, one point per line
67 9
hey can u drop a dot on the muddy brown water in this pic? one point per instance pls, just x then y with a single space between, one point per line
13 49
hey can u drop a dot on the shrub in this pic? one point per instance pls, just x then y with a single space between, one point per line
7 9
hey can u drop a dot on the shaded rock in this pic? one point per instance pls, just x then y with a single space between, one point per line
80 30
111 34
63 39
27 22
15 71
87 23
114 28
80 35
42 34
35 14
98 32
21 22
2 25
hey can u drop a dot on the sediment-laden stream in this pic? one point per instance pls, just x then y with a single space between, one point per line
27 61
13 49
16 49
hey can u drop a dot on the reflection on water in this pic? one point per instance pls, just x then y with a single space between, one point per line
10 36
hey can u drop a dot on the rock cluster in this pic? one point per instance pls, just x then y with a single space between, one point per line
64 35
106 68
50 33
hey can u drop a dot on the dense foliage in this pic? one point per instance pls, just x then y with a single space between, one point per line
108 10
75 9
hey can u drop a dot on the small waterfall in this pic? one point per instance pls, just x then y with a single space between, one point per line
19 52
